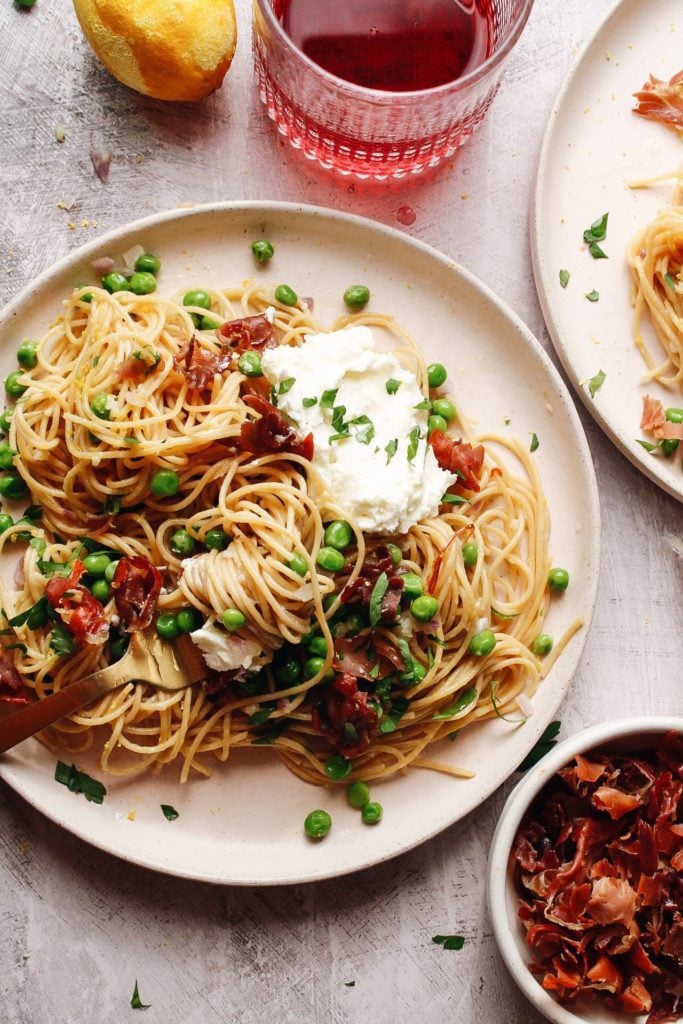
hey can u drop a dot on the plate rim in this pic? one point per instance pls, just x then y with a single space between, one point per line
648 467
572 657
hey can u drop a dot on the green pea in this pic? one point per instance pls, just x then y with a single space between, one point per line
262 250
196 319
396 554
25 3
189 619
414 676
328 601
99 405
358 794
12 386
482 643
207 323
142 283
27 354
317 646
437 423
114 282
298 564
167 626
543 644
558 579
412 585
668 446
443 407
674 415
197 297
5 420
101 590
286 295
371 813
313 666
7 455
338 535
249 363
470 554
182 543
13 486
110 571
288 672
356 296
164 483
148 264
233 619
436 375
96 564
424 608
118 647
337 767
317 824
5 522
330 559
216 540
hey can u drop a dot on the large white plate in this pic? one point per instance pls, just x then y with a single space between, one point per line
594 145
244 825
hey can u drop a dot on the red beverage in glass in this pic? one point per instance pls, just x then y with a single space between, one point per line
398 47
381 88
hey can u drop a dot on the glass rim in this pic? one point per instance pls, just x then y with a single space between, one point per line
456 85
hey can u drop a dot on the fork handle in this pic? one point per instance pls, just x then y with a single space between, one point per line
42 713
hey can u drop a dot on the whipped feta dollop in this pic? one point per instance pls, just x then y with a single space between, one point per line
369 436
223 651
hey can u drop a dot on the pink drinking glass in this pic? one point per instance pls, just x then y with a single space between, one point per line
372 133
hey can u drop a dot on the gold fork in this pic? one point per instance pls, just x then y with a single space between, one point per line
170 666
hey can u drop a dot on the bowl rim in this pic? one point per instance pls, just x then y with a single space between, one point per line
497 877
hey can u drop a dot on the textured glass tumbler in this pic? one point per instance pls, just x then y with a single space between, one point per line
372 133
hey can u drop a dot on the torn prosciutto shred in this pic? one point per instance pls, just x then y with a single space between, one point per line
270 433
136 586
198 365
458 457
12 689
345 716
662 101
77 608
598 861
654 421
250 332
377 561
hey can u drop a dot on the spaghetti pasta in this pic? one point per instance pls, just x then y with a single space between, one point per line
126 387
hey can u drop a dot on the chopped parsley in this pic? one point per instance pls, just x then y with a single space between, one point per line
449 941
350 984
135 1002
131 441
596 382
413 443
545 742
453 499
34 617
424 404
327 398
647 445
392 385
671 281
169 812
496 707
364 429
80 782
62 641
391 449
378 591
593 296
466 698
112 505
286 385
399 706
564 278
308 402
597 232
534 443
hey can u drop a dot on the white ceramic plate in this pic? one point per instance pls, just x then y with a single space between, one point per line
593 146
245 825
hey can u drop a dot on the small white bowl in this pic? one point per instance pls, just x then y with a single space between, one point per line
503 898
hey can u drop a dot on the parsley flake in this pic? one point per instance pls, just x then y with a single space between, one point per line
391 449
169 812
647 445
286 385
671 281
564 278
597 232
453 499
593 296
449 941
62 641
135 1002
413 443
378 591
364 429
350 984
596 382
80 782
463 702
496 706
392 385
327 398
424 404
534 443
308 402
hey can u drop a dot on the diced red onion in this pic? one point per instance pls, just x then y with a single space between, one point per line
103 265
101 159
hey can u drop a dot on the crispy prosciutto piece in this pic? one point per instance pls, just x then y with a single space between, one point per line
662 101
377 561
458 457
200 365
250 332
345 716
598 860
366 657
271 433
136 586
77 608
12 689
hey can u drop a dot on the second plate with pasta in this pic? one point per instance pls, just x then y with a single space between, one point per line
429 637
